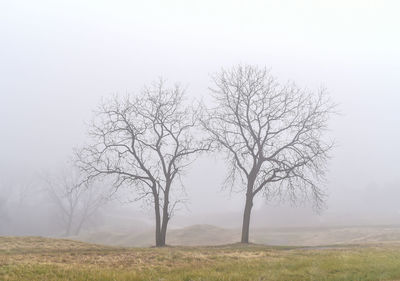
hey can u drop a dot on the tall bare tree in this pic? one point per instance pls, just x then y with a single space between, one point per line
272 134
145 142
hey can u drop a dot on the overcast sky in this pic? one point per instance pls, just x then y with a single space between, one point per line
58 58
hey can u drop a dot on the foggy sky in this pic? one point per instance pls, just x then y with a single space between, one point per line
58 58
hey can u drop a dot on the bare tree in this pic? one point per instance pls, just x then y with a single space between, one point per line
144 142
272 134
76 202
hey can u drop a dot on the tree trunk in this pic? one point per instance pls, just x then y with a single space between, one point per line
68 226
165 220
158 221
81 222
164 230
78 229
246 218
165 217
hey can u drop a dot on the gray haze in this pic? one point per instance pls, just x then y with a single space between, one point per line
59 58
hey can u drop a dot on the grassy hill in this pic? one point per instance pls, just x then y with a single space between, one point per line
44 259
195 235
201 235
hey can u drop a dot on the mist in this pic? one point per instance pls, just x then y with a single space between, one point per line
58 61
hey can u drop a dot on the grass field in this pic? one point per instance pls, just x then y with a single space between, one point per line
43 259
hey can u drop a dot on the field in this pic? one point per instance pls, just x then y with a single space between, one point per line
43 259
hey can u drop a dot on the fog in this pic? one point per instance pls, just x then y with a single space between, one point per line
59 59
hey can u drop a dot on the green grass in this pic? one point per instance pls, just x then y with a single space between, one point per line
42 259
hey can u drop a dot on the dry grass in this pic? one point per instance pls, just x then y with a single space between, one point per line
34 258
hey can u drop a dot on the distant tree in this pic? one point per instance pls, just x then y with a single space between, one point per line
272 134
144 142
77 201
